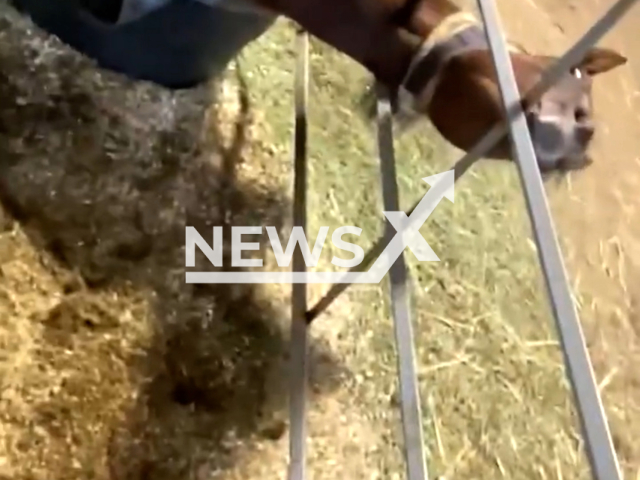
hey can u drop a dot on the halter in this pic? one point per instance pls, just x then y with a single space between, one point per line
457 34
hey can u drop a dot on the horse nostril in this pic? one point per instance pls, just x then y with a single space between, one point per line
585 133
580 114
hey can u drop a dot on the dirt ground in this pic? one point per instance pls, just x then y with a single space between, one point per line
112 368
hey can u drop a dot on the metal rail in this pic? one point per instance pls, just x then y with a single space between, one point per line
299 336
595 431
400 305
598 443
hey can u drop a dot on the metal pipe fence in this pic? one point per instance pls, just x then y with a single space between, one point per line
598 445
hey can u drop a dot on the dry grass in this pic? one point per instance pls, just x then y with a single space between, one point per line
113 368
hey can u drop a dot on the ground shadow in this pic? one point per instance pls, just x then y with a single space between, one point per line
104 174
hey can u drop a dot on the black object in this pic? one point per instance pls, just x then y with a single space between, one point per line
179 45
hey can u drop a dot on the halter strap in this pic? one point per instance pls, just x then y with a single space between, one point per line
457 34
425 68
421 80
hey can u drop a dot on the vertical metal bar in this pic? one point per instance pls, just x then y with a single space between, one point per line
299 337
498 131
400 306
600 451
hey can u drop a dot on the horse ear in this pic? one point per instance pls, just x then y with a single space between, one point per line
601 60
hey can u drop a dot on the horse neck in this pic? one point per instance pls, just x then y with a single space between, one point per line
422 17
381 35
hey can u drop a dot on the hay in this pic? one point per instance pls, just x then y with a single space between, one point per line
113 367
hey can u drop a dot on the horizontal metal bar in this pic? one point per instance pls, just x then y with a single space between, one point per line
600 451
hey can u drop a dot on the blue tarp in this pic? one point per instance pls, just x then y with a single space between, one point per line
176 43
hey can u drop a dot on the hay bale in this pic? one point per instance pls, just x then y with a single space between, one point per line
114 367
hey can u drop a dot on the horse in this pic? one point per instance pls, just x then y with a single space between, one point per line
430 54
437 57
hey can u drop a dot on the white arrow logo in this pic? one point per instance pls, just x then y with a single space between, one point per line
407 235
407 228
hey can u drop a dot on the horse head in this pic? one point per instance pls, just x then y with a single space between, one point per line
453 82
